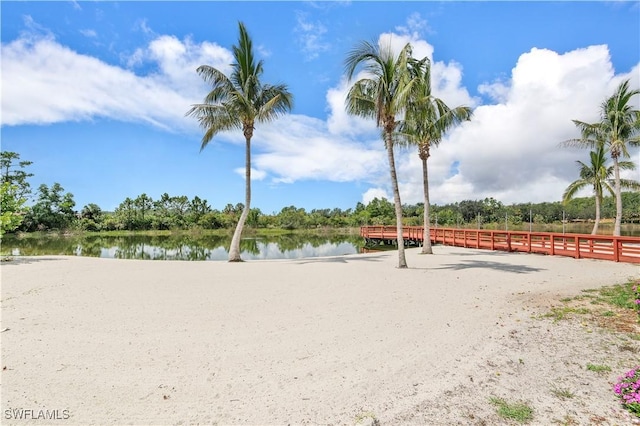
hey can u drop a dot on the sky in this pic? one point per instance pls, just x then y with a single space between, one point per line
95 95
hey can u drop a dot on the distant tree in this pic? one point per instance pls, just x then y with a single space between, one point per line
381 211
11 208
253 219
126 213
197 209
383 94
238 102
52 210
91 217
292 218
143 204
618 129
14 190
12 172
492 210
470 209
597 175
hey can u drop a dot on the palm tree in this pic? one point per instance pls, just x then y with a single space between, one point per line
383 95
428 118
598 176
238 102
618 129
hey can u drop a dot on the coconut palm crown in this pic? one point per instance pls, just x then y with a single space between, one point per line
237 102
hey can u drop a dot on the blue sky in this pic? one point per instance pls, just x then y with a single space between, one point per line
95 94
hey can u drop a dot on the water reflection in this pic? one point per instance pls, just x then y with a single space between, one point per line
184 246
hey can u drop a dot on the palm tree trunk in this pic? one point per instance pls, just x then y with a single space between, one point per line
234 249
426 241
402 261
595 225
618 191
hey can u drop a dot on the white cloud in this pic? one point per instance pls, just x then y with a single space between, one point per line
310 36
89 33
372 193
298 147
415 26
338 121
255 174
80 87
511 150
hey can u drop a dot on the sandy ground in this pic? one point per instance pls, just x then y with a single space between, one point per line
338 340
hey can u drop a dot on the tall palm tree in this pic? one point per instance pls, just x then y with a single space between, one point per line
618 129
382 94
598 176
427 120
238 102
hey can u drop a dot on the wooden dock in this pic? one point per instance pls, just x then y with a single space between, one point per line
579 246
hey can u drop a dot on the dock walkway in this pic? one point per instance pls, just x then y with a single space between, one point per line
579 246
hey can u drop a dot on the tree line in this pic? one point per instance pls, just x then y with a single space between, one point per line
53 208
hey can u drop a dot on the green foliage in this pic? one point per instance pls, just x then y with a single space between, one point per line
14 190
12 172
517 411
562 393
621 295
52 210
11 208
598 368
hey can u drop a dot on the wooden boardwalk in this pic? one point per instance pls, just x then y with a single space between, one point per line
579 246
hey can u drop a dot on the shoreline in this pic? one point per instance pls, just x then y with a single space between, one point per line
306 341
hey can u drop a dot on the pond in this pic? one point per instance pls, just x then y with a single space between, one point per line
182 246
188 246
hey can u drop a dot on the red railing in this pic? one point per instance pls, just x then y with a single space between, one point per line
579 246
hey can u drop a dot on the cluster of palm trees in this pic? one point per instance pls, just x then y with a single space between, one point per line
394 89
617 130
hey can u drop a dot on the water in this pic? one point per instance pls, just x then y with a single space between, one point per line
182 246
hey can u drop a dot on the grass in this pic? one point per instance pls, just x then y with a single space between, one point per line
619 295
517 411
560 313
612 307
598 368
562 393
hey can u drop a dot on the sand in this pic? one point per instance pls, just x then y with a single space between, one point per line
338 340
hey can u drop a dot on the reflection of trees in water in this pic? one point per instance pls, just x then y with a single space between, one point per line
249 245
169 247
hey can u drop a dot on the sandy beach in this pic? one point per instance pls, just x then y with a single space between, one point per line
339 340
